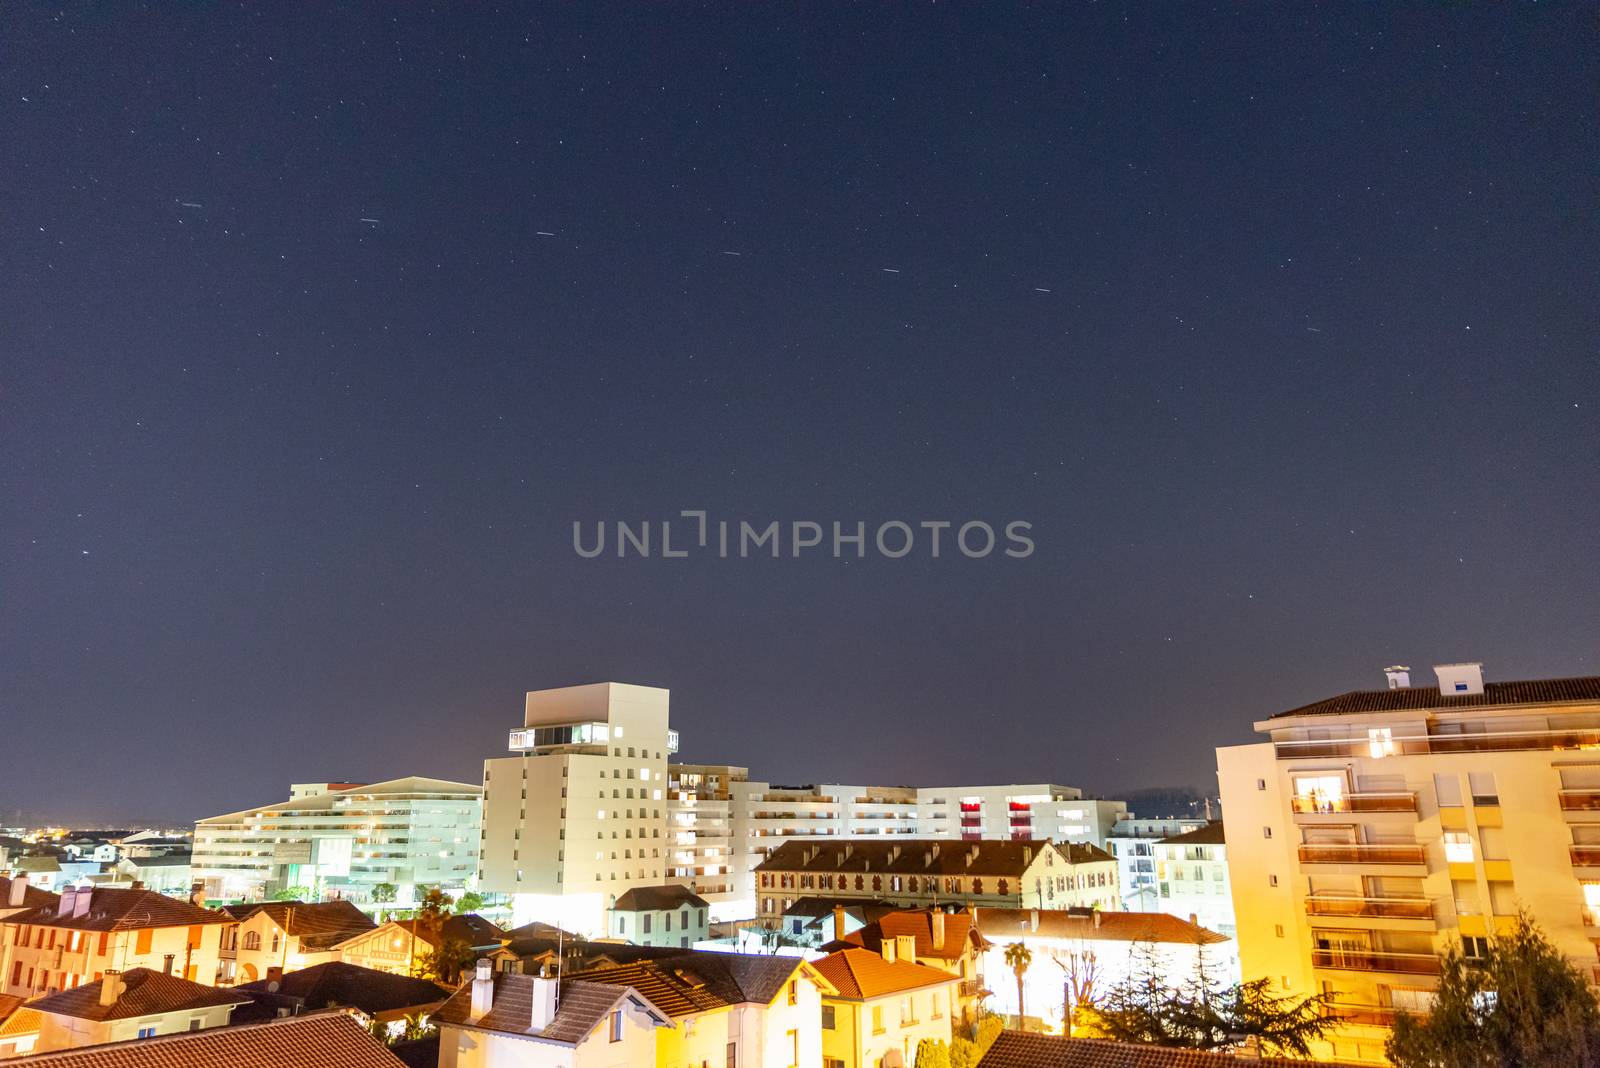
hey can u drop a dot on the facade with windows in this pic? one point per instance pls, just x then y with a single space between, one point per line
1133 842
882 1005
672 916
344 840
1377 827
1192 879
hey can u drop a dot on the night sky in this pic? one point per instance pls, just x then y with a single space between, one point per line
320 328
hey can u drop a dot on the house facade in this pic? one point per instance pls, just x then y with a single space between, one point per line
882 1005
660 916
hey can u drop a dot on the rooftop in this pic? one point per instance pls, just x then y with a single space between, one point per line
337 983
1006 925
688 982
1420 698
1017 1049
118 909
924 856
319 925
860 973
145 993
659 899
959 934
329 1040
1210 834
581 1006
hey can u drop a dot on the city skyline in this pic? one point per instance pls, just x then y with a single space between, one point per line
324 328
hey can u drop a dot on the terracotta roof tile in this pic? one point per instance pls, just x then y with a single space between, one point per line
1408 698
860 973
145 992
688 982
122 909
329 1040
959 933
338 983
1007 925
1016 1049
21 1021
318 925
582 1006
1210 834
924 856
659 899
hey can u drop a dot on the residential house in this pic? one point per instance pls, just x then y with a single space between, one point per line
138 1003
19 1026
1192 878
501 1019
323 1041
923 872
660 916
382 997
1079 951
732 1010
285 936
20 895
881 1005
399 946
948 941
813 922
86 933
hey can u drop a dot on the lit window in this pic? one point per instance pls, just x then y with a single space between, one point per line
1458 847
1380 742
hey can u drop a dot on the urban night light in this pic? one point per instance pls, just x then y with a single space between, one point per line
1021 536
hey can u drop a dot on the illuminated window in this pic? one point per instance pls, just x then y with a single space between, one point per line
1380 742
1458 847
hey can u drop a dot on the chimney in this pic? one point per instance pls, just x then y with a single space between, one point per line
197 894
138 884
1097 919
80 904
1194 918
1249 1049
889 947
110 986
1459 680
1027 855
938 928
544 1001
1399 677
1033 919
838 922
274 973
69 897
482 991
905 948
19 890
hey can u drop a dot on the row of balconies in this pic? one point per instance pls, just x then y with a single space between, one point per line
1342 853
1387 908
1482 742
1356 802
1375 960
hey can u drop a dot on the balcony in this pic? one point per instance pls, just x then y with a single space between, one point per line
1479 742
1385 908
1363 802
1585 856
1365 854
1364 1015
1375 960
1580 800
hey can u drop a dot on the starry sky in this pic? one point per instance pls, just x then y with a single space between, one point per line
321 326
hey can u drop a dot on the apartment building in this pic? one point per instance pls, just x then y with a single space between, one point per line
577 817
1040 810
929 872
86 933
1374 828
344 839
1192 878
1133 842
706 855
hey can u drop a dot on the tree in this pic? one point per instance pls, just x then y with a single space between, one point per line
384 893
985 1030
433 909
931 1053
1081 969
469 902
1200 1015
1018 957
446 964
291 893
963 1053
1519 1004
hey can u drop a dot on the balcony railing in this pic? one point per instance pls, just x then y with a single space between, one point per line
1364 802
1361 854
1368 1015
1586 855
1580 800
1386 908
1374 960
1481 742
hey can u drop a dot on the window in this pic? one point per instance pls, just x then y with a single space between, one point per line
194 1024
147 1032
1458 847
1266 832
1278 929
732 1058
1380 742
646 921
667 918
794 1049
622 925
683 919
877 1019
1261 784
1272 880
1474 947
827 1012
794 992
142 942
616 1025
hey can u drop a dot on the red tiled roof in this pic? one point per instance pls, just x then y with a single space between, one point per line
145 993
1210 834
688 982
1409 698
958 933
924 856
1007 925
1017 1049
121 910
581 1007
318 925
328 1040
860 973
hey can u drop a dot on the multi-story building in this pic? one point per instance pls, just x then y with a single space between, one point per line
578 816
883 1005
1374 828
86 933
1192 874
267 940
947 941
1041 810
344 839
931 872
1133 842
703 857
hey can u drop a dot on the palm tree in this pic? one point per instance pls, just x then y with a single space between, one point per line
1018 957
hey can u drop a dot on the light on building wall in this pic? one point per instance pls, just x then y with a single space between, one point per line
1458 847
1380 742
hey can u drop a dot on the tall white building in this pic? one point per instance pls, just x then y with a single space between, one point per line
344 839
1038 810
578 816
1133 842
